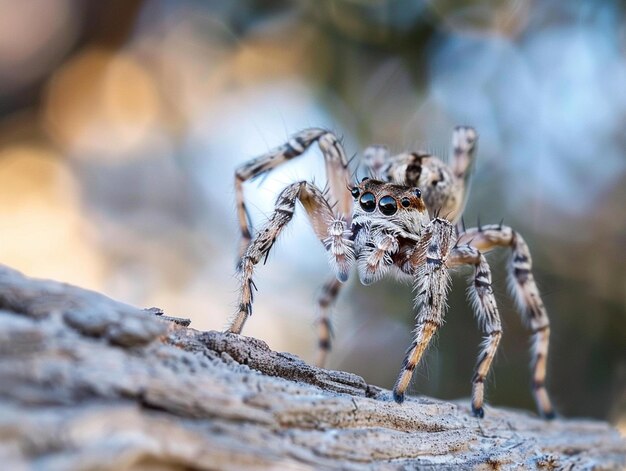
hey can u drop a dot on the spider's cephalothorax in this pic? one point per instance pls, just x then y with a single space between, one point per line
401 220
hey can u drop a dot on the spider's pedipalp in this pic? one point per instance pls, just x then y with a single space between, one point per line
376 261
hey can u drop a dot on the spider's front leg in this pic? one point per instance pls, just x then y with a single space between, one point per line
330 229
432 283
337 173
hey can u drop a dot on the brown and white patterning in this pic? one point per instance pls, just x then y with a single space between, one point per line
402 220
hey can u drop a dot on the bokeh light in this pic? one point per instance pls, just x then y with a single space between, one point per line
121 125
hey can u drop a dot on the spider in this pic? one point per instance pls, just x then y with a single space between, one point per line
402 220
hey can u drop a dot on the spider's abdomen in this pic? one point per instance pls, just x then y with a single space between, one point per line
442 191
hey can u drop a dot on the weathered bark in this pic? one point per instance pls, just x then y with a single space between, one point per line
90 383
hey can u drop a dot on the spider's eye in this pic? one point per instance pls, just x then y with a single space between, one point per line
368 202
388 205
364 179
418 192
355 192
405 202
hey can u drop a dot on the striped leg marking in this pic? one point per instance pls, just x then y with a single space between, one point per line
486 311
541 338
336 166
529 303
527 298
485 358
326 300
330 230
432 284
423 333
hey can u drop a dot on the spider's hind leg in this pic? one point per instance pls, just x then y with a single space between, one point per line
522 285
330 229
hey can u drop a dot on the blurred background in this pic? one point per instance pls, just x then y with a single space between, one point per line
121 124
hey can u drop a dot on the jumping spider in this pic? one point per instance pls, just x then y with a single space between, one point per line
401 220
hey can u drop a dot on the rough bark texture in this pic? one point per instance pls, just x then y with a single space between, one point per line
90 383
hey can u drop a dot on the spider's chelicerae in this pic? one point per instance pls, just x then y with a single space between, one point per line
401 220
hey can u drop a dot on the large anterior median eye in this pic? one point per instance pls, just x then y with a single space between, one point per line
368 202
388 205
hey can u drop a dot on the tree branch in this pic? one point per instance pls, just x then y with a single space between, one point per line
87 382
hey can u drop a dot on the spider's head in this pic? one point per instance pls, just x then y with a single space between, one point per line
386 203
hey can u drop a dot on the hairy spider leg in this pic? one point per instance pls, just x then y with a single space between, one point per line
329 228
337 173
432 282
527 298
462 159
325 301
483 301
338 176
